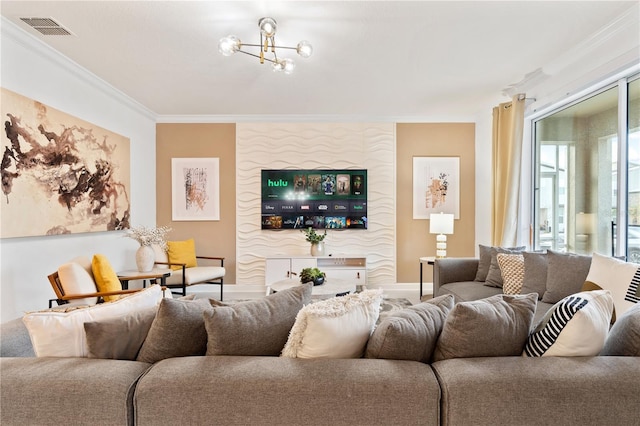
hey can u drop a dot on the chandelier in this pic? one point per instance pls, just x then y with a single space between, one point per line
231 44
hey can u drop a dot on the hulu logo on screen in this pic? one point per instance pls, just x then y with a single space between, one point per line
279 182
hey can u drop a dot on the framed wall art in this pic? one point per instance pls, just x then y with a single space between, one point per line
60 174
195 189
436 186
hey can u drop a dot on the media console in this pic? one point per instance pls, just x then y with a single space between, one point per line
352 268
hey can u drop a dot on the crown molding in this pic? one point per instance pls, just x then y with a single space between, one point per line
613 37
311 118
30 42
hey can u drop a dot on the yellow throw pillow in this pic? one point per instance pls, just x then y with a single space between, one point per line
106 278
182 252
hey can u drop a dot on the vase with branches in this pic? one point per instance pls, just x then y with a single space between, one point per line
146 237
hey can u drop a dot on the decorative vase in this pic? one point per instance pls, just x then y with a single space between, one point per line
318 281
317 249
145 258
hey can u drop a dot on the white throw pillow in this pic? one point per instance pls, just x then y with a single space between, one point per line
75 279
577 325
61 334
619 277
334 328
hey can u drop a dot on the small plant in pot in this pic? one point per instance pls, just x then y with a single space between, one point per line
312 274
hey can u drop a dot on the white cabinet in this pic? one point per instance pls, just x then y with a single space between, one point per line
345 268
282 268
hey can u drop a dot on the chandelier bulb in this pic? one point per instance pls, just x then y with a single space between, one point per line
229 45
267 26
304 49
288 65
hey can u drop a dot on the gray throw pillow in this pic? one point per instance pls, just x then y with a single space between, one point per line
535 273
484 262
177 330
566 274
496 326
119 338
624 336
494 276
257 327
411 333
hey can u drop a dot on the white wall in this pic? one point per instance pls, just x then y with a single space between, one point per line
368 146
32 69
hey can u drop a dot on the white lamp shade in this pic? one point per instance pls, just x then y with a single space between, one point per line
585 223
441 223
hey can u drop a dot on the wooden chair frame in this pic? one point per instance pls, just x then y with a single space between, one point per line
62 298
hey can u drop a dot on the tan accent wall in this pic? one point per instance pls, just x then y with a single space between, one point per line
413 238
213 238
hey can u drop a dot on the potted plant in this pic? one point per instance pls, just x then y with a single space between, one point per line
316 240
312 274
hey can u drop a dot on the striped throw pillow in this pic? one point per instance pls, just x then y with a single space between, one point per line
575 326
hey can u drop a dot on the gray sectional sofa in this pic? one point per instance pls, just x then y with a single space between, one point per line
456 276
237 390
275 390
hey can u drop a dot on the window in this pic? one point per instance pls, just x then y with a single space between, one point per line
586 181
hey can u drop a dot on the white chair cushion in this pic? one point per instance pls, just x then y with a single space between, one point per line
75 279
85 262
196 275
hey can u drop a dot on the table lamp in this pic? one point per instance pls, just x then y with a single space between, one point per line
585 226
441 224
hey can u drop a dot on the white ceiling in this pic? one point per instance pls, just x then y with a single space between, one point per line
371 58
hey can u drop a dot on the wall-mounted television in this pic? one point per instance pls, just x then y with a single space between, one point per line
317 198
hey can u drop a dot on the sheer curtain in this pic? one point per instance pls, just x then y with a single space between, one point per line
508 122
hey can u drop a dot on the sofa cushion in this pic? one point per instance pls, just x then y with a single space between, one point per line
106 278
535 273
512 270
177 330
61 334
619 277
72 391
182 252
575 326
277 391
624 336
509 391
119 338
334 328
256 327
494 276
495 326
465 291
566 273
410 333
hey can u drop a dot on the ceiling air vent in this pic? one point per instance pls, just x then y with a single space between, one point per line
46 26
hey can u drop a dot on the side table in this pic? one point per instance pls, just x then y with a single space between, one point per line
429 260
153 275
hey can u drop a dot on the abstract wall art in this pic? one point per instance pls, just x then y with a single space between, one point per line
436 186
60 174
195 189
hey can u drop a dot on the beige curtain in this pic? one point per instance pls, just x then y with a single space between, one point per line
508 122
